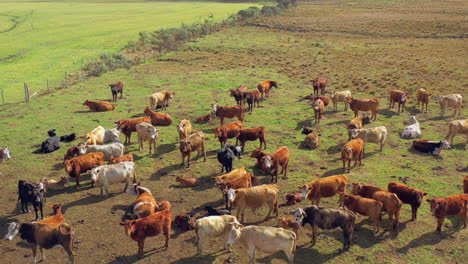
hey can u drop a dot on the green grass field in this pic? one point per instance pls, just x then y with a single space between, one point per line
314 39
43 40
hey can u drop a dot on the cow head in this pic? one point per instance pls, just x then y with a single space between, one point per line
13 229
81 149
299 214
347 153
237 150
438 99
445 144
148 110
306 130
304 190
5 153
235 232
349 99
130 226
274 84
231 195
410 121
356 188
436 205
268 162
403 98
51 133
366 119
214 107
185 146
257 153
68 166
94 174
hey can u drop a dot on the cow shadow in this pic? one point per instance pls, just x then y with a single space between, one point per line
334 150
138 115
206 259
388 113
166 148
268 259
439 117
413 110
303 123
165 171
333 172
58 166
427 239
127 209
304 254
90 199
134 258
339 122
416 152
83 111
137 157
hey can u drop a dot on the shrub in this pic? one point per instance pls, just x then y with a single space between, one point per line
251 12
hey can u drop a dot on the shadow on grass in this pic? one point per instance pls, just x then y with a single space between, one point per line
334 172
206 259
91 199
430 238
127 209
304 254
166 148
307 122
138 115
134 258
388 113
343 122
58 166
334 149
166 170
416 152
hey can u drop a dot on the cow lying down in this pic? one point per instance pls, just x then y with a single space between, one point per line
431 147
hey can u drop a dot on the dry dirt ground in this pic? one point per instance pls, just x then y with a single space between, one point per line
368 47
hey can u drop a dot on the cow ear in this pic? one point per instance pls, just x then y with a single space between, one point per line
424 194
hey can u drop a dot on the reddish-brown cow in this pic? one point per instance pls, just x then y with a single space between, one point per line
318 106
158 119
129 125
399 97
465 184
279 158
452 205
184 221
408 195
422 98
253 97
127 157
251 134
357 105
99 106
80 164
264 87
228 112
319 84
223 133
153 225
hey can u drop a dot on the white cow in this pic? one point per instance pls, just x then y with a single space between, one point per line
370 135
264 238
412 130
4 154
106 175
340 97
114 150
112 135
147 132
213 226
451 100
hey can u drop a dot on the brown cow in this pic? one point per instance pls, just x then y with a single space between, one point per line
408 195
72 152
184 129
399 97
352 149
272 163
204 119
145 204
187 182
264 88
359 122
184 221
196 142
318 106
153 225
158 119
129 125
228 112
391 202
126 157
324 187
465 184
57 218
293 198
251 134
239 94
452 205
260 156
357 105
99 106
116 88
223 133
363 206
253 97
319 84
325 100
289 222
312 140
422 98
80 164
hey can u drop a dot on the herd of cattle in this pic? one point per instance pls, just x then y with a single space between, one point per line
238 187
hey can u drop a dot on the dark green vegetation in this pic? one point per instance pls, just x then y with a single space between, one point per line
369 47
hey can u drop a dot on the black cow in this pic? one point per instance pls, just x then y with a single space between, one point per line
431 147
226 156
212 211
306 130
327 218
29 192
50 145
68 138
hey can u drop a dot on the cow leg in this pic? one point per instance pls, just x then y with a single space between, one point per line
141 244
242 214
251 254
102 191
36 209
34 252
221 119
314 234
155 147
349 165
42 253
269 212
414 211
167 234
285 169
440 221
188 159
126 185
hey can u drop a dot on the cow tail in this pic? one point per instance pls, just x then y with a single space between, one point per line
196 234
134 175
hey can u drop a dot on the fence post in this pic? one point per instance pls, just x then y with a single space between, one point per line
26 92
47 83
3 98
66 82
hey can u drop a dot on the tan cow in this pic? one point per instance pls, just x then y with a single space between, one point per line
254 197
451 100
264 238
146 132
184 129
196 142
457 127
161 98
96 136
363 206
370 135
354 149
234 174
422 98
338 97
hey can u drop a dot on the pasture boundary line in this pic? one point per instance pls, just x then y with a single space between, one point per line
15 21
